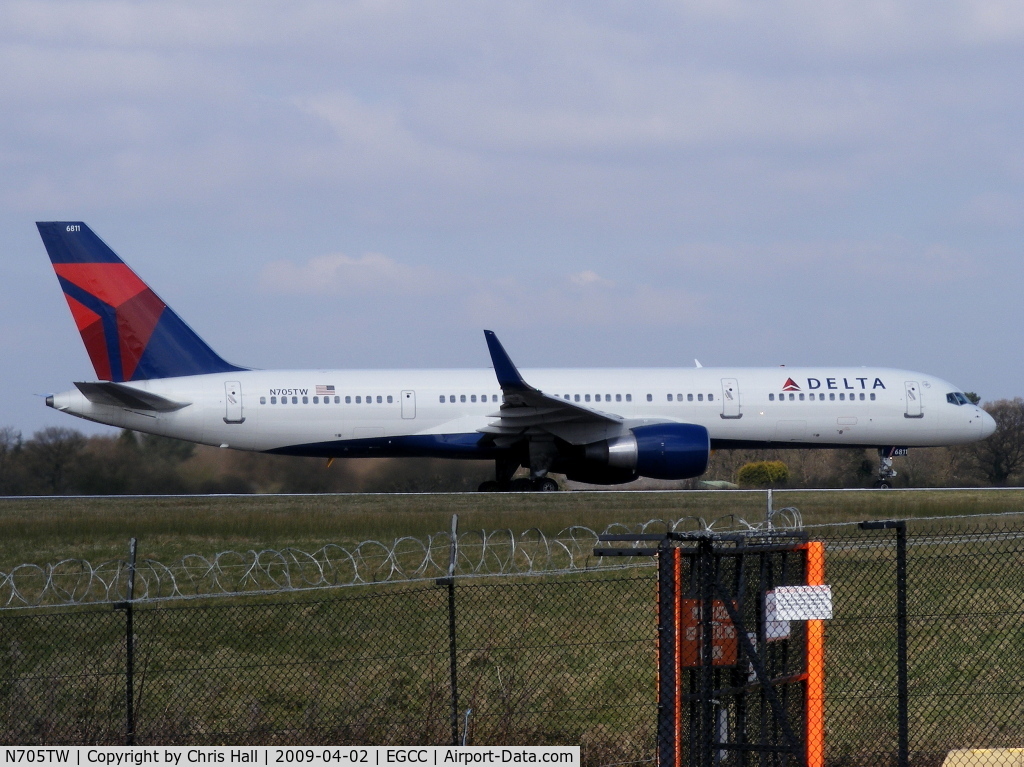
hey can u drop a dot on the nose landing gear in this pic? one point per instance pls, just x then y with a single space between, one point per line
885 469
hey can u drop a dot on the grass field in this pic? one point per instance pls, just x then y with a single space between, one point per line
554 659
42 530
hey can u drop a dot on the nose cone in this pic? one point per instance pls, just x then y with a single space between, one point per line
988 424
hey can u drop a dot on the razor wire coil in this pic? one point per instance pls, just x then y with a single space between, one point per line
477 553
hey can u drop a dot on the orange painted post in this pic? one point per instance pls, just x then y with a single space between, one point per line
677 704
815 703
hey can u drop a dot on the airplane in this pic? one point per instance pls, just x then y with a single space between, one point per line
597 426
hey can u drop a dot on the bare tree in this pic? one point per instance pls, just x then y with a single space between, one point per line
1002 455
50 456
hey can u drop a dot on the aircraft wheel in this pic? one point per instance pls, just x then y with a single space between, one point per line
545 485
521 485
490 486
883 484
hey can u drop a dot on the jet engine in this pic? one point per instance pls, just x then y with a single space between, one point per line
659 451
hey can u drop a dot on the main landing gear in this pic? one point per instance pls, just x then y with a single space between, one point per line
520 485
885 469
504 482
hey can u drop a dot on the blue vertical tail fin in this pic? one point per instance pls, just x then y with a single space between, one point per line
130 334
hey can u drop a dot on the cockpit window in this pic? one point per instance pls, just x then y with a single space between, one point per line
957 398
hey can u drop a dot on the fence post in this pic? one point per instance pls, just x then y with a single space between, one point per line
453 659
707 575
902 692
668 711
129 643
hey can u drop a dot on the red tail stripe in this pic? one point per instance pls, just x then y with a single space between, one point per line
136 320
91 327
113 284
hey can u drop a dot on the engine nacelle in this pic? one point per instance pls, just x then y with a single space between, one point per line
659 451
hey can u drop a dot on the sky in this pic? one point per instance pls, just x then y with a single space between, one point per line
642 183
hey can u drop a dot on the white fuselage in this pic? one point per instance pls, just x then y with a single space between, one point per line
440 412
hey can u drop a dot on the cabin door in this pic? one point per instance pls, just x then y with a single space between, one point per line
913 400
731 398
233 402
408 404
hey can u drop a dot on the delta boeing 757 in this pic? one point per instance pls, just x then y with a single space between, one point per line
600 426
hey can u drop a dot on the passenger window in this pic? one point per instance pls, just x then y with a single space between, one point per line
348 399
711 397
576 397
792 396
390 400
379 399
801 397
872 396
273 400
832 396
442 399
700 397
586 397
494 397
650 398
842 396
689 397
618 398
472 398
462 398
629 398
305 400
359 400
862 396
771 397
316 400
669 397
295 400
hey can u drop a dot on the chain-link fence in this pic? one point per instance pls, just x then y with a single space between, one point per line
924 658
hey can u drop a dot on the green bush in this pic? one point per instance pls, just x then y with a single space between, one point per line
763 474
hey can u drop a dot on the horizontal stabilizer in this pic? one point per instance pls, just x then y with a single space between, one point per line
119 395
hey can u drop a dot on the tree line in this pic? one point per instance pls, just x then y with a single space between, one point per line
63 461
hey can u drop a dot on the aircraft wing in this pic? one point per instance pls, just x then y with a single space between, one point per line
119 395
527 411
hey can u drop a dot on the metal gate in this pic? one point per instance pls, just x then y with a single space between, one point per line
740 674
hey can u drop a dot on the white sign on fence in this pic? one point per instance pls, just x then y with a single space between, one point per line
802 603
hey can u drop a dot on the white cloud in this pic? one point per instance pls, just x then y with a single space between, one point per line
337 273
589 279
582 300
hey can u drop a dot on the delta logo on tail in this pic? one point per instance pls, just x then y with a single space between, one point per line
129 333
790 385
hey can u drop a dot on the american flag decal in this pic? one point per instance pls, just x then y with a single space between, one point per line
321 389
